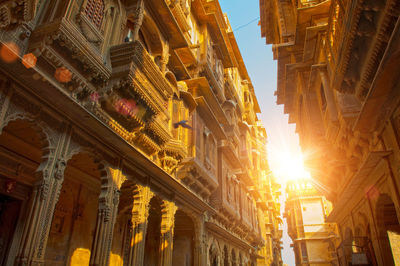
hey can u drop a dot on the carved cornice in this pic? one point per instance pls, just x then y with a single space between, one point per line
180 17
64 36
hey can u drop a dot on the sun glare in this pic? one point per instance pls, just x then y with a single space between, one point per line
288 166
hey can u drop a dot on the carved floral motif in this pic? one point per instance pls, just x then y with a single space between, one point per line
15 12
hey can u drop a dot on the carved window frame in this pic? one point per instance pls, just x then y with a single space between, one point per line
94 10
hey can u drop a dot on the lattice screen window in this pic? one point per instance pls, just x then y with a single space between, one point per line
95 11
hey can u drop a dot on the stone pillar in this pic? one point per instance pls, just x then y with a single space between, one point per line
200 249
140 213
43 201
138 19
167 233
107 213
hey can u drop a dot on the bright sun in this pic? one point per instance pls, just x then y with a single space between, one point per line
287 166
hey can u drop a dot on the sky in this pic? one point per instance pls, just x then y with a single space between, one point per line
283 145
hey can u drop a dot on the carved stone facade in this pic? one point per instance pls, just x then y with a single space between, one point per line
338 81
128 136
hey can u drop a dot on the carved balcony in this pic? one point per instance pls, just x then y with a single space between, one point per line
212 69
230 146
229 202
74 45
197 177
13 13
135 104
233 88
205 97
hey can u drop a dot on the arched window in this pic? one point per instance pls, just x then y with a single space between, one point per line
94 10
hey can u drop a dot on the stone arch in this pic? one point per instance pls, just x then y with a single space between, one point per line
198 229
23 138
214 253
149 33
124 227
39 127
82 206
184 239
152 252
388 229
152 35
106 176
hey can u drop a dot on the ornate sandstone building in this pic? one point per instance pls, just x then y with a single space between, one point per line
129 136
338 79
314 240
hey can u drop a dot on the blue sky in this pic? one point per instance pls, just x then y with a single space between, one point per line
259 61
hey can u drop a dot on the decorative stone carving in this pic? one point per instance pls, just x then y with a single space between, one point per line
15 12
138 18
92 34
168 162
59 169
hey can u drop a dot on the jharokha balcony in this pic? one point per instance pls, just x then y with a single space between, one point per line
130 93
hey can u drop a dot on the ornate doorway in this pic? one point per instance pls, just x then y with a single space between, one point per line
9 212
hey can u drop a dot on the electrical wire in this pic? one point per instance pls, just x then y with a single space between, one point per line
248 23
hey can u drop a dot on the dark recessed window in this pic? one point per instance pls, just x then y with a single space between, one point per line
95 11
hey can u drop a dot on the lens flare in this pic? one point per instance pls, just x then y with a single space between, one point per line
29 60
288 166
9 52
126 107
63 75
94 97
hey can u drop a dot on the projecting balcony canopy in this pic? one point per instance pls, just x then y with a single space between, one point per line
355 183
384 88
209 118
201 87
176 36
315 8
210 12
228 150
194 175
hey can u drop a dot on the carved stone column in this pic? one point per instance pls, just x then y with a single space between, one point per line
107 213
200 242
43 200
167 233
138 19
229 260
140 212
